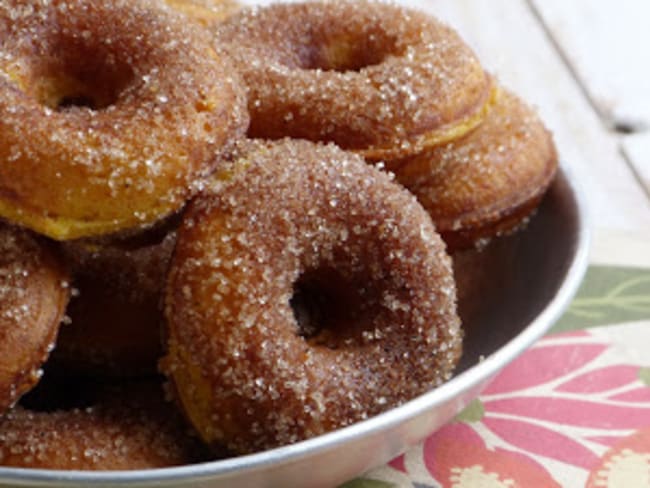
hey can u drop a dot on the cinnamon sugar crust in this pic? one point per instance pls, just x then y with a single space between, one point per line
34 291
373 77
307 291
111 111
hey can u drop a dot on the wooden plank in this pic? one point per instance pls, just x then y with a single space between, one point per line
511 42
637 151
606 43
627 249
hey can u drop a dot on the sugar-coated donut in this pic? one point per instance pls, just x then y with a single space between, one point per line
116 317
110 112
206 12
488 182
125 428
34 292
372 77
307 292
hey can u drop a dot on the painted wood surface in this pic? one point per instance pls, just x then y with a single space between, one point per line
606 44
637 150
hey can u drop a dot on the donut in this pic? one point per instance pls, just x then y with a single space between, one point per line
111 111
375 78
307 291
125 428
34 291
488 182
208 13
115 320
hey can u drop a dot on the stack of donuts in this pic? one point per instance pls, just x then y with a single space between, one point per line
226 230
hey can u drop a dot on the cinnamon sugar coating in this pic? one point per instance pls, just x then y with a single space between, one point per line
115 320
488 182
110 113
126 428
373 77
208 13
307 292
34 292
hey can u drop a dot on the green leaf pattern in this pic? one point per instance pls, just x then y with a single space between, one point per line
473 412
609 295
644 376
367 483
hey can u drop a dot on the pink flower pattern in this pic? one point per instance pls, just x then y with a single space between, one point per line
564 400
567 400
457 456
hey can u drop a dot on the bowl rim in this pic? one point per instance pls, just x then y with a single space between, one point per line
464 381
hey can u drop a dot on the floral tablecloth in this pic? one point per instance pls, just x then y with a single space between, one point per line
572 411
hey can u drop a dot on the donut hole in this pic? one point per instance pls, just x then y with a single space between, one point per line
347 52
76 75
331 309
95 87
76 101
58 392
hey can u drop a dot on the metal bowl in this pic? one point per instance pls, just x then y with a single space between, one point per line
510 294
